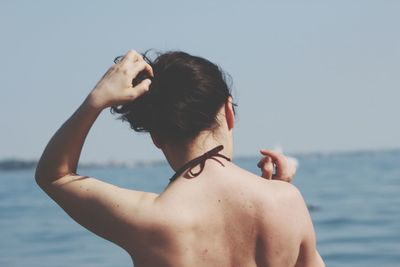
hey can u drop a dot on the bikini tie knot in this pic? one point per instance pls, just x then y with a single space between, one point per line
199 161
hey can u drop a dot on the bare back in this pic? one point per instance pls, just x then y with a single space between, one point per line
227 217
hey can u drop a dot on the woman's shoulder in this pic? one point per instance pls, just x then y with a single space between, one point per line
271 192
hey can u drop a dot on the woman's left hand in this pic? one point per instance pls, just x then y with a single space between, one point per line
115 87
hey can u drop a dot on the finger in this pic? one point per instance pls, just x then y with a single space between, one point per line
265 163
149 69
278 158
134 57
131 56
139 89
262 161
267 169
139 67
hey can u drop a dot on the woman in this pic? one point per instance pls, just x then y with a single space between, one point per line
212 213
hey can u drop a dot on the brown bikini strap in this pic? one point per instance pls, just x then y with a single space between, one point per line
199 161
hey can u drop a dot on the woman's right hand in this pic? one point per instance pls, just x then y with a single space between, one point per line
115 87
285 166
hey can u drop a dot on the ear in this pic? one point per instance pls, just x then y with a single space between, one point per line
229 113
156 140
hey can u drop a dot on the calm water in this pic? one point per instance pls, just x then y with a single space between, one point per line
355 201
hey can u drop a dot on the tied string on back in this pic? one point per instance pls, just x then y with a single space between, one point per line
199 161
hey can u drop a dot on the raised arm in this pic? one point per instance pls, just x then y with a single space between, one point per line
62 153
102 208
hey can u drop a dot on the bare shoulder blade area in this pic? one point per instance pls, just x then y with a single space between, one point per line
238 219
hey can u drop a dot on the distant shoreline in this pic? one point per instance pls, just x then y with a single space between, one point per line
20 164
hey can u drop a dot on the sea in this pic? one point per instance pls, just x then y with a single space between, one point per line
353 198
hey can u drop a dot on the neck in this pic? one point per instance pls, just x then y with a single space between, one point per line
178 155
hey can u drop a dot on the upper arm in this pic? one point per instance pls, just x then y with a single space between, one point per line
294 222
107 210
308 254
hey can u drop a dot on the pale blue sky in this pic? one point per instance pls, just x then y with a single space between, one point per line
308 75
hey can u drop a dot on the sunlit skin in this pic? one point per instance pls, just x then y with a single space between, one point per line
226 216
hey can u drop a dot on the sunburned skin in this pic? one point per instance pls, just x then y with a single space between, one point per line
221 216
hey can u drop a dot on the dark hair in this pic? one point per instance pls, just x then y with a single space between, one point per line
183 99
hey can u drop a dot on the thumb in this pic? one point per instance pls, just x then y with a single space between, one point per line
267 168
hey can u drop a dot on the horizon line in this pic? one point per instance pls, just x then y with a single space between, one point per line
294 153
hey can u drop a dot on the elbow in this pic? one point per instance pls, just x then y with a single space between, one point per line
43 176
40 173
46 176
39 177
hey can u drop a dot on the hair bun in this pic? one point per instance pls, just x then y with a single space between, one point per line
183 99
